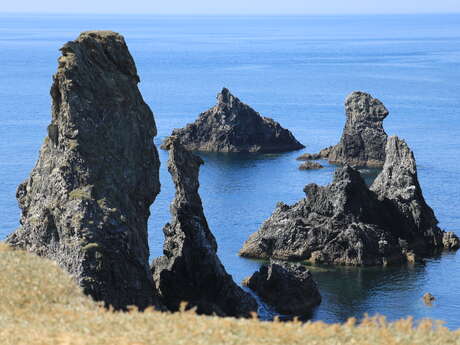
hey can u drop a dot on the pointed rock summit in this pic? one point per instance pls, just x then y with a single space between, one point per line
348 223
86 202
190 269
363 139
232 126
397 185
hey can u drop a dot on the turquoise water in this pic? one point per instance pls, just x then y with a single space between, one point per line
297 70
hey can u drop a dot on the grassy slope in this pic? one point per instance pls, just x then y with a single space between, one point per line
39 304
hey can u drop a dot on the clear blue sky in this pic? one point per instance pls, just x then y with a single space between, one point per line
233 6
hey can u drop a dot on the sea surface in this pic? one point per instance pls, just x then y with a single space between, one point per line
297 70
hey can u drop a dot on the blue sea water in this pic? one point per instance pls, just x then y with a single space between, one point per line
297 70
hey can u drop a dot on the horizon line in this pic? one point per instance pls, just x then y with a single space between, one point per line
228 14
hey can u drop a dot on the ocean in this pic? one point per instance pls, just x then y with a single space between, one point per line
295 69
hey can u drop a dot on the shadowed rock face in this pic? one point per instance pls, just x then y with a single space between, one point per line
363 139
289 288
348 223
232 126
397 186
190 269
86 202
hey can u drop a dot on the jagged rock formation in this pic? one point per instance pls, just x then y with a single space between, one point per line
310 166
232 126
348 223
397 186
190 269
363 139
86 202
342 223
289 288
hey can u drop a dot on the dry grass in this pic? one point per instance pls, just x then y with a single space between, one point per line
40 304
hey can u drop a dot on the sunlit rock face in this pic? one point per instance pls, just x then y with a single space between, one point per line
232 126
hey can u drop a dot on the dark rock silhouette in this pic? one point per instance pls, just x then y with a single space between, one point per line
86 202
232 126
348 223
190 269
363 139
289 288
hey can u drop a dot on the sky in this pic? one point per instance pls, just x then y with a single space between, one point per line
240 7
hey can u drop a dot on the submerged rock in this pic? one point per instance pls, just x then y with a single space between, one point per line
289 288
232 126
190 269
363 139
310 166
86 202
348 223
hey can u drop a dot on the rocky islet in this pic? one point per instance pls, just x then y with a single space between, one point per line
233 126
363 139
347 223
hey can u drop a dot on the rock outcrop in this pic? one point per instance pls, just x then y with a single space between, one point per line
348 223
232 126
289 288
190 269
450 241
342 223
363 139
86 202
323 154
310 166
398 188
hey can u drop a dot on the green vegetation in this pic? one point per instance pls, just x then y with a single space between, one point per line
40 304
83 193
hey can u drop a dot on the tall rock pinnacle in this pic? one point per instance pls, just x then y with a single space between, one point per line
86 202
190 269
